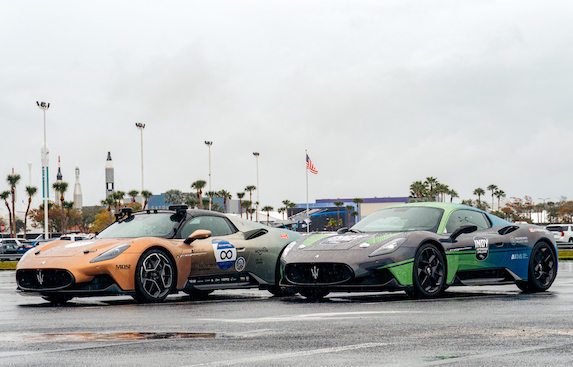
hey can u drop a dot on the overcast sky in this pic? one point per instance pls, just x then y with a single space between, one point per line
381 93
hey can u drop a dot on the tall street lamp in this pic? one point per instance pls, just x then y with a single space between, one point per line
141 126
209 143
256 154
45 184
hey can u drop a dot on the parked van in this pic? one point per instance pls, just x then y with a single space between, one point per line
561 232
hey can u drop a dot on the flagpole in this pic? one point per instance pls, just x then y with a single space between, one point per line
308 223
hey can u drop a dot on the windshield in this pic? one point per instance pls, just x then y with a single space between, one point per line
401 220
142 225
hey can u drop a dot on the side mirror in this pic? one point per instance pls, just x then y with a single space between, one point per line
197 235
466 228
342 230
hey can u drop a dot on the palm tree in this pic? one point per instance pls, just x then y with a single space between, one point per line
241 195
453 194
349 208
133 194
267 209
31 192
282 211
205 202
225 195
287 206
432 182
13 181
250 189
338 205
493 189
354 214
118 196
357 201
4 196
174 196
418 189
247 204
442 190
211 195
479 192
198 186
191 200
109 201
68 206
146 195
499 194
61 188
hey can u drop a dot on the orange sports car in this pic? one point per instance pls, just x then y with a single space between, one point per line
154 253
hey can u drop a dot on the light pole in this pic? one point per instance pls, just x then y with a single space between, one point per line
256 154
209 143
45 184
141 126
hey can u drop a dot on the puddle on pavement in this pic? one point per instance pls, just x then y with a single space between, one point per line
111 336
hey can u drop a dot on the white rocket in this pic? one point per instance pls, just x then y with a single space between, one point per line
109 180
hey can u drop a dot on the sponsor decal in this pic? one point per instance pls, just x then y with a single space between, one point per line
225 253
316 257
79 244
123 267
240 264
519 257
284 236
482 247
261 251
520 240
342 239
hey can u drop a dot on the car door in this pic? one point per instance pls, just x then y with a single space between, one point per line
484 248
218 258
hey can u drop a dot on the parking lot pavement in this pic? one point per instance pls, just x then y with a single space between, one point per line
469 326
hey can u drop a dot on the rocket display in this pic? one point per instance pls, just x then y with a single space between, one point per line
109 180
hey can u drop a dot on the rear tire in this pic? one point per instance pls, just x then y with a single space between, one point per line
154 276
542 269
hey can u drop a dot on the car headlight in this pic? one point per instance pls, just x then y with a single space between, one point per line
287 249
110 254
388 247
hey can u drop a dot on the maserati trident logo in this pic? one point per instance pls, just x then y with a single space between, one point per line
40 277
314 272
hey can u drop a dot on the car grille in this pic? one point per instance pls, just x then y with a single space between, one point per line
321 273
44 279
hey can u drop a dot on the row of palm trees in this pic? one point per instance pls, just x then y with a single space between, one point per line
431 190
495 192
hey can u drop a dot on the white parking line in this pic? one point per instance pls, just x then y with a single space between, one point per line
309 317
289 355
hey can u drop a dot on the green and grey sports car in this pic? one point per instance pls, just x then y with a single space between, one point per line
421 248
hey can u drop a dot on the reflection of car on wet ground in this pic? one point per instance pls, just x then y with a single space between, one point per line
561 232
151 254
422 249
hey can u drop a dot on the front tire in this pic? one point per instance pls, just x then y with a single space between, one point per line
542 269
154 276
429 272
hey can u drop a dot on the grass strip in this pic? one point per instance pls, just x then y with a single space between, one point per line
8 265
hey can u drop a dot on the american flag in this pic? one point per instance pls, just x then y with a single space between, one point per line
310 166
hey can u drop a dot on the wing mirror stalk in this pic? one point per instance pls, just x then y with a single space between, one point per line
197 235
466 228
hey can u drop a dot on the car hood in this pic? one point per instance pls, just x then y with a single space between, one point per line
346 241
73 248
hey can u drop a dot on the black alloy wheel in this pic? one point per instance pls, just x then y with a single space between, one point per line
154 276
542 269
429 272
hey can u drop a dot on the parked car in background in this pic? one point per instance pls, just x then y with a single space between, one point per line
561 232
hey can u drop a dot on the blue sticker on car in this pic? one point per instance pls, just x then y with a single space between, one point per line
225 253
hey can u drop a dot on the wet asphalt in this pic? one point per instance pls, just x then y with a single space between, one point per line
469 326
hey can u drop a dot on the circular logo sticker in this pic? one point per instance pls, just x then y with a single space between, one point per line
225 253
240 264
482 248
